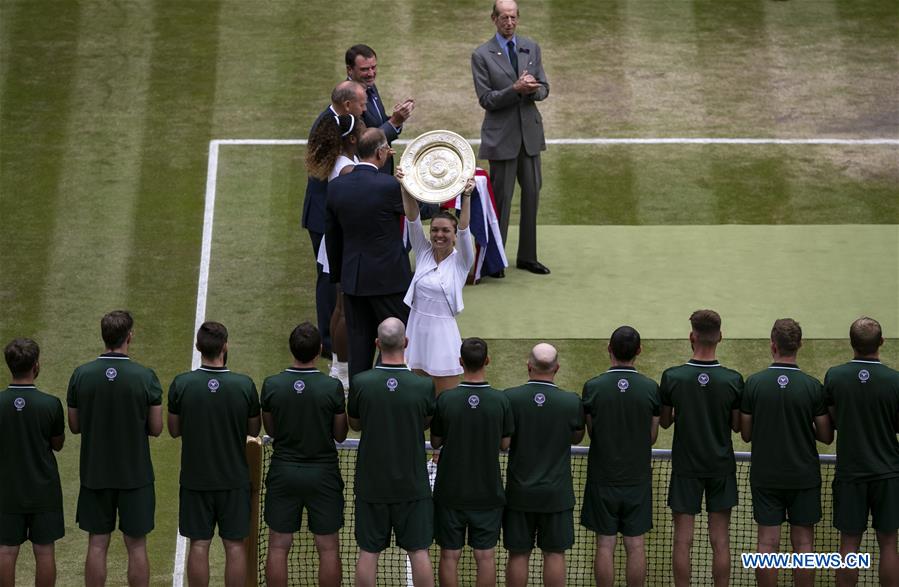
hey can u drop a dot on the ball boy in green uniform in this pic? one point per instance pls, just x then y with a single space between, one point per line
539 491
32 427
392 407
304 411
703 399
782 414
622 413
213 410
863 397
115 404
472 423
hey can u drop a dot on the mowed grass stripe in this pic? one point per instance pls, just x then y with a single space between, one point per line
655 276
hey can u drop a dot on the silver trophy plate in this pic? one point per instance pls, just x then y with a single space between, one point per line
437 164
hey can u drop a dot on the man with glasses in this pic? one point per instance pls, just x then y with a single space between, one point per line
365 247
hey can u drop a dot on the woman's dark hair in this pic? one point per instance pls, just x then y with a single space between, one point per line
446 216
325 144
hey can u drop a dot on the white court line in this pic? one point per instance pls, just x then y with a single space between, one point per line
209 213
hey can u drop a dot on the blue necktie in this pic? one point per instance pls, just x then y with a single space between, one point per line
513 58
373 98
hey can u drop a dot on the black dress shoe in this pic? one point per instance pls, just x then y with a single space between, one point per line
533 266
498 275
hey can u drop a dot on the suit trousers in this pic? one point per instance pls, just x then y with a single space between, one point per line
502 175
325 294
363 315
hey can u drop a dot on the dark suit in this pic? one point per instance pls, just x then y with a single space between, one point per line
375 116
366 255
512 133
313 220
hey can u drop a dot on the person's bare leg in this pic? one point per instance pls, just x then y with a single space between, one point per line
719 538
553 569
367 568
848 543
768 541
339 344
447 570
44 564
8 557
889 559
442 383
235 562
604 560
635 546
330 569
803 540
486 562
95 564
422 571
279 544
138 563
517 569
683 543
198 563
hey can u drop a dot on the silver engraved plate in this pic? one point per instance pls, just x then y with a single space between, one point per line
437 164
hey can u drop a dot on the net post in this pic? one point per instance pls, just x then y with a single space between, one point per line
254 462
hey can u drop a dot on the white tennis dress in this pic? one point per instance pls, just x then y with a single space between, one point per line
342 161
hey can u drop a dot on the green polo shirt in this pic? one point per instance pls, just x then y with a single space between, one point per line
30 478
703 395
621 404
113 395
213 405
783 402
865 398
303 404
538 476
472 420
392 404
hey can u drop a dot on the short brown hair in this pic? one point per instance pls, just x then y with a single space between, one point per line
21 356
706 326
115 328
211 339
866 336
787 335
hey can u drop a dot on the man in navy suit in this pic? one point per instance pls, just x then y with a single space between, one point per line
348 97
362 67
363 218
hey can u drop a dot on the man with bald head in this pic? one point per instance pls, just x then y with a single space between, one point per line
365 247
392 407
348 97
539 491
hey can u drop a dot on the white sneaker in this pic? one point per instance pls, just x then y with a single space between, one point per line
343 373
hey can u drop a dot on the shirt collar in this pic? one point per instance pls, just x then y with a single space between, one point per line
698 363
114 356
503 42
306 370
793 366
471 384
535 382
214 369
372 165
614 368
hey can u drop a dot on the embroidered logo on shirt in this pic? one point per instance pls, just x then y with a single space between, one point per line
19 403
213 385
111 373
703 379
623 384
863 376
473 401
782 381
540 399
299 385
392 384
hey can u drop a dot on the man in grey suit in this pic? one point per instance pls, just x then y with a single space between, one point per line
509 80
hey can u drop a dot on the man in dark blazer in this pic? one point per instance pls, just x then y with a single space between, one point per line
363 220
362 67
509 81
348 97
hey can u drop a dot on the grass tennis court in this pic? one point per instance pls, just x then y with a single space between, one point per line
107 110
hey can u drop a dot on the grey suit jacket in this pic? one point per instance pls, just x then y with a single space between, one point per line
509 118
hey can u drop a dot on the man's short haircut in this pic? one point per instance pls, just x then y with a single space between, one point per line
496 7
345 91
706 326
211 339
21 356
305 342
624 343
372 139
787 335
865 335
473 353
392 335
544 359
115 328
356 50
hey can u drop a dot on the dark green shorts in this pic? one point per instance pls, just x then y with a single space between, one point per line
554 531
773 507
136 509
200 511
609 510
412 522
39 528
853 500
685 493
483 527
291 488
